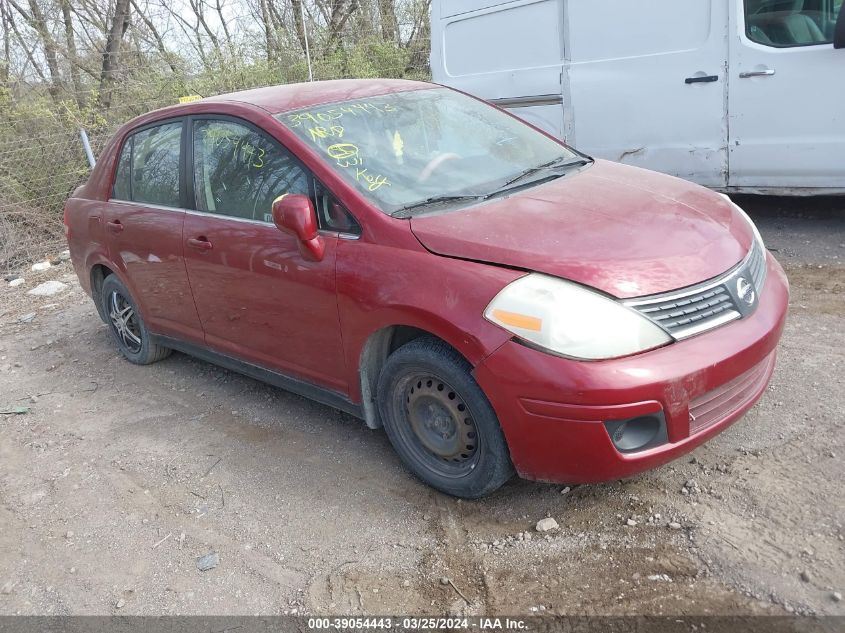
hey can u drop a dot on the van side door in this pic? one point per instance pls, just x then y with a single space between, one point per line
787 95
648 85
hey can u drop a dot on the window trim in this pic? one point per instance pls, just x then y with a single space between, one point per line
747 33
313 181
130 136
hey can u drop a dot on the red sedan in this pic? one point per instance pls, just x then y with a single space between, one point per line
497 301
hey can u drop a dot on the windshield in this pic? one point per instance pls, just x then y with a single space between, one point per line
407 148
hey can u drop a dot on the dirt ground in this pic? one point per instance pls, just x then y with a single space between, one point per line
120 477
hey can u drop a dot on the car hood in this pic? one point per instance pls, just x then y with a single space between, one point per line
623 230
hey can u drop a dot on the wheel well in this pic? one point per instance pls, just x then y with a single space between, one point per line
378 347
98 275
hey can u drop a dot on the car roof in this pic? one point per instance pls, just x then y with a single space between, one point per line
287 97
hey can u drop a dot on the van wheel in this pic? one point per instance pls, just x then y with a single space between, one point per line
440 422
127 326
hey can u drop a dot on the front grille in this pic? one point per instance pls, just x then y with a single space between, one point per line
722 401
687 312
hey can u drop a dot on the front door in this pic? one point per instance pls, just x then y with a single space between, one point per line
143 222
787 95
648 86
259 298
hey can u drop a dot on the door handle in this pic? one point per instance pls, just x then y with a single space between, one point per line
757 73
706 79
114 226
199 243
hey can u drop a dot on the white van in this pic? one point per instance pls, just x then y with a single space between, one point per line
738 95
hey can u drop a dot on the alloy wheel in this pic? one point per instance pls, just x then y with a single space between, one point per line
125 322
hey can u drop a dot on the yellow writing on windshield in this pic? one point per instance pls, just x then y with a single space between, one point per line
348 155
374 181
319 132
331 114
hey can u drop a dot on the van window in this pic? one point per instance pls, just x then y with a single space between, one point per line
155 165
789 23
238 171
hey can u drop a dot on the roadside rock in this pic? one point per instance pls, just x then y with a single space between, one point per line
14 283
547 524
209 561
40 266
47 289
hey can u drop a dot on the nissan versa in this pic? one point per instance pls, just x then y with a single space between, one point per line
497 301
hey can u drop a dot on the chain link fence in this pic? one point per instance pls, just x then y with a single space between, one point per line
58 77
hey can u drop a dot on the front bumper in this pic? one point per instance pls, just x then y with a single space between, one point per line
552 410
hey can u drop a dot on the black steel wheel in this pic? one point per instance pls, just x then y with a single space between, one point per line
127 325
440 422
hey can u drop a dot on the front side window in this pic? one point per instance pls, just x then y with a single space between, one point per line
238 171
789 23
155 165
403 148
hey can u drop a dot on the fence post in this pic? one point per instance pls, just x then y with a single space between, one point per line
87 146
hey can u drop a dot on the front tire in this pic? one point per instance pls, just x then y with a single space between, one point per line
126 325
440 422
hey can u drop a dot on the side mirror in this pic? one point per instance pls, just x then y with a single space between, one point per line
293 213
839 29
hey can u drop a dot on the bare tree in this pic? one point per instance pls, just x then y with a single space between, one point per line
36 20
111 53
389 25
72 55
154 33
336 13
6 62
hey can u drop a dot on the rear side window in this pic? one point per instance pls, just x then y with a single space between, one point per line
238 171
155 165
122 190
791 23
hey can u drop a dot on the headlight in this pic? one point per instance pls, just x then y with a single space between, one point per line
568 319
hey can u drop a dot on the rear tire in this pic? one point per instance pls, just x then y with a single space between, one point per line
126 325
440 422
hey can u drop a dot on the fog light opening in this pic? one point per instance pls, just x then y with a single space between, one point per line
637 434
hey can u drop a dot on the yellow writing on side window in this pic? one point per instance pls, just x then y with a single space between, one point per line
189 98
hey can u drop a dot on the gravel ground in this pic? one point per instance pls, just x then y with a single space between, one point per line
119 478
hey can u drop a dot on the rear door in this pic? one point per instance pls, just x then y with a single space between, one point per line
647 84
143 226
258 297
787 95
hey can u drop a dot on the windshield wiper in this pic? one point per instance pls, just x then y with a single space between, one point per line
552 164
407 210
